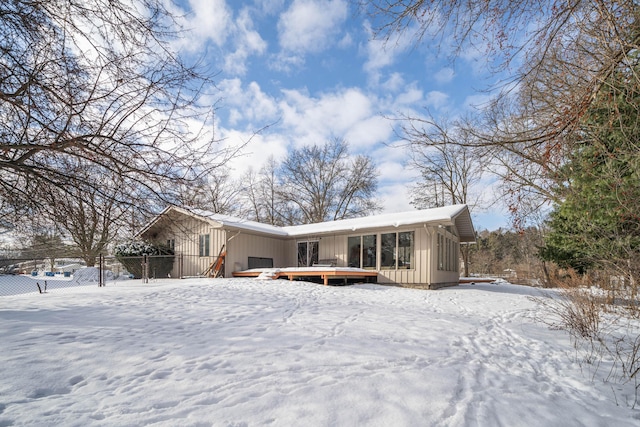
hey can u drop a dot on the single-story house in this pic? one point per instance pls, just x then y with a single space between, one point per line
420 247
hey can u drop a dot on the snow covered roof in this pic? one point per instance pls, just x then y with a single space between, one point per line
232 222
455 215
218 220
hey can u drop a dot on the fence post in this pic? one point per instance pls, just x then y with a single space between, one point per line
145 269
100 272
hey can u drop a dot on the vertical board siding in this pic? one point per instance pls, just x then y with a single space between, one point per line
243 246
329 247
185 230
334 247
444 277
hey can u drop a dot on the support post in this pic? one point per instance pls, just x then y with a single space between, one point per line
100 270
145 269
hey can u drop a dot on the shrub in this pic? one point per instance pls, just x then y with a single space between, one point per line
601 317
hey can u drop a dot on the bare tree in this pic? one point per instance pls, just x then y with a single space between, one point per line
565 52
45 244
97 82
218 194
449 164
265 202
90 217
564 131
322 182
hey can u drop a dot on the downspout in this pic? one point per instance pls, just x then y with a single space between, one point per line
430 255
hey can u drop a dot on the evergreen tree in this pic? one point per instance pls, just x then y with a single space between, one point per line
597 225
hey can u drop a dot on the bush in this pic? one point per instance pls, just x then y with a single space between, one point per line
131 256
601 318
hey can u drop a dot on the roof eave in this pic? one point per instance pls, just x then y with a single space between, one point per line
153 222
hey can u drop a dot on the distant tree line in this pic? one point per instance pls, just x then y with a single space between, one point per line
505 252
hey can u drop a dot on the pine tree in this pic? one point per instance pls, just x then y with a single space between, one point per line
597 225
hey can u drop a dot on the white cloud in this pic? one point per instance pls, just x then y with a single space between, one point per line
368 133
331 115
346 41
383 53
445 75
269 7
257 151
394 83
393 171
212 21
477 101
208 20
378 55
247 103
411 96
311 25
476 58
437 99
285 62
406 103
247 41
394 198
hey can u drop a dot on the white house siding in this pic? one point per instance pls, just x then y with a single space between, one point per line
243 246
188 245
418 274
442 277
425 257
185 232
255 240
425 270
329 248
334 248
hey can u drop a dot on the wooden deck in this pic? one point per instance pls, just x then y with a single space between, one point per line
325 273
464 280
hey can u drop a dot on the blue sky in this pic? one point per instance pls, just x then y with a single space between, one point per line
311 69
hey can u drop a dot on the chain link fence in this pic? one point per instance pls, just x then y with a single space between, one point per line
28 275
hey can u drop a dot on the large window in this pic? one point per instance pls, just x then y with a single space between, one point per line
204 244
308 253
388 251
448 250
405 249
396 251
354 251
369 252
362 251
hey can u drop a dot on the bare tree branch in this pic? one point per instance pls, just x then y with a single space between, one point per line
96 82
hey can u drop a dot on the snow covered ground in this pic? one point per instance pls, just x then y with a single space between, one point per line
243 352
24 284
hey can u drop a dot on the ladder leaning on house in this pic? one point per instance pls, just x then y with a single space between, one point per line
216 266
